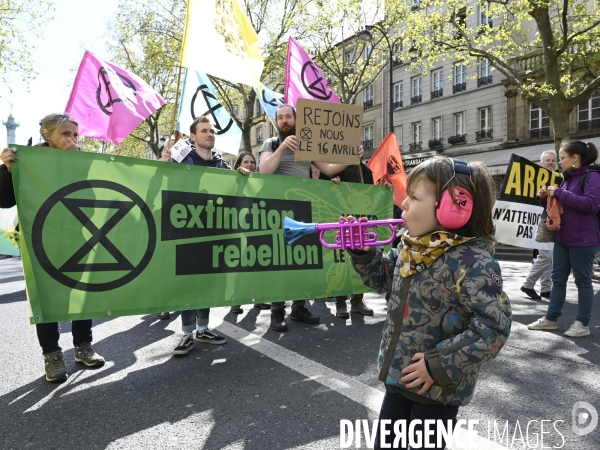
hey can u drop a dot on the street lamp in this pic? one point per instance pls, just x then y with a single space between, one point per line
365 37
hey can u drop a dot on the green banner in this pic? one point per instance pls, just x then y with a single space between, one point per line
107 236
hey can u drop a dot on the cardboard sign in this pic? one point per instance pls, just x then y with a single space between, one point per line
180 150
328 132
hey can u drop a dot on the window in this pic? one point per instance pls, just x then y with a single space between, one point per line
368 137
369 95
398 133
271 129
349 63
460 78
368 50
485 72
436 128
415 5
588 115
539 122
416 137
258 108
485 124
485 17
459 124
398 94
397 54
417 85
437 88
259 134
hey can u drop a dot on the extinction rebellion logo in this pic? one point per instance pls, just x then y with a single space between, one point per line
82 235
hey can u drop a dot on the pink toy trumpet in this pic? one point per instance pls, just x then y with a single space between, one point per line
350 235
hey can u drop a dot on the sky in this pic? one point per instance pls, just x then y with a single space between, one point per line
78 25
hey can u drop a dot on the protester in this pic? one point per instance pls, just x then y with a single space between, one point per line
448 313
57 131
542 267
246 163
202 135
577 241
277 156
353 174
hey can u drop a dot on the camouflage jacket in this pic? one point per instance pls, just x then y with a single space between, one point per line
455 312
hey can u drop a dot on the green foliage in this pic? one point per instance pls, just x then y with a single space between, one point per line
546 50
19 20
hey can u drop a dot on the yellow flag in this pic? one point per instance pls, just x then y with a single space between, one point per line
219 40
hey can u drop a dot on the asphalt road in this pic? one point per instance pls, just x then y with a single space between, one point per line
267 390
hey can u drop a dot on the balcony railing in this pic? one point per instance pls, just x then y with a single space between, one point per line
412 146
396 62
368 104
483 135
416 99
367 145
398 104
539 133
459 87
458 139
433 143
437 93
482 81
588 125
259 140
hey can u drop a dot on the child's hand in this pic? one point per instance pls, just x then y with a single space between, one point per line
416 374
352 219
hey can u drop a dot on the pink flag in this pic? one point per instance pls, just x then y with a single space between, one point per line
303 79
109 102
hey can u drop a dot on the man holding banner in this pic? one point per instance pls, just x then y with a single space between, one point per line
277 157
202 134
542 268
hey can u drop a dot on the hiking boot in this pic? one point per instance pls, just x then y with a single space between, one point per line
341 311
543 324
545 294
209 337
85 354
236 310
304 315
185 345
263 306
278 322
55 367
164 315
530 293
360 308
577 330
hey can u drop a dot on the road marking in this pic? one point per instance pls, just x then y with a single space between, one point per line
336 381
13 286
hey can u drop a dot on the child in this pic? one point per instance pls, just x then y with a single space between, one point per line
447 312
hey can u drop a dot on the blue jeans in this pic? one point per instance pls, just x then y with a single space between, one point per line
192 317
580 260
397 407
49 333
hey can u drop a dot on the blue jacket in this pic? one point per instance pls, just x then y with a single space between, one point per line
578 225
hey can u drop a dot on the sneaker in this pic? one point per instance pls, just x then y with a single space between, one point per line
341 311
208 337
577 330
263 305
85 354
302 314
185 345
236 310
164 315
278 322
543 324
55 367
545 294
361 308
530 293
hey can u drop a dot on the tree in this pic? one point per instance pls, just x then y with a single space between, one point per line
19 20
546 50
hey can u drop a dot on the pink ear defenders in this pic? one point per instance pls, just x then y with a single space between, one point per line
455 214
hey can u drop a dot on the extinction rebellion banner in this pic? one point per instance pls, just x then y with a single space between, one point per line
106 236
517 211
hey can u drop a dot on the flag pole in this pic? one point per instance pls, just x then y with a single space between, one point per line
176 103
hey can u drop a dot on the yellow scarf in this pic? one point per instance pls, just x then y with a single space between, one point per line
418 253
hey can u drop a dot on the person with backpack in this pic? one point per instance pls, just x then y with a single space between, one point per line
578 239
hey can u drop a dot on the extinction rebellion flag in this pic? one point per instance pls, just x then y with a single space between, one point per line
517 211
